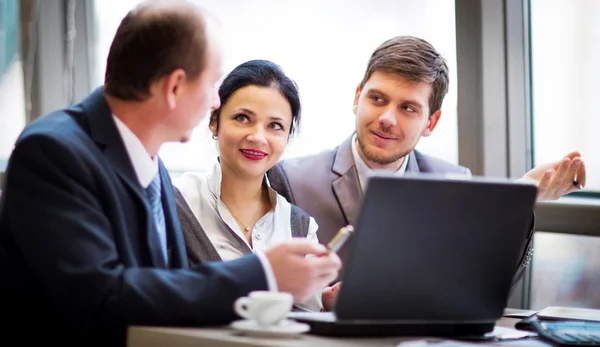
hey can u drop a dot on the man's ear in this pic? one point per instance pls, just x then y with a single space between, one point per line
356 97
173 87
212 125
431 123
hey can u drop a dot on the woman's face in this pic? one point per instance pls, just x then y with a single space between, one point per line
254 127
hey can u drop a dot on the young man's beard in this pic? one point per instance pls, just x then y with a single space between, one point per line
379 159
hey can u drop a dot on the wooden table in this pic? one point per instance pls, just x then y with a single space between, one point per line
226 337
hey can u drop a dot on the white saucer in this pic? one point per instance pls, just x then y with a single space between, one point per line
283 329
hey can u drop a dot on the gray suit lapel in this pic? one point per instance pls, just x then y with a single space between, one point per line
347 187
198 246
413 165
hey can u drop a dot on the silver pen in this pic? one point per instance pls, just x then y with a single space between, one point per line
340 238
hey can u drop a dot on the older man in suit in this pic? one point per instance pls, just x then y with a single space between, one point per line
88 227
398 101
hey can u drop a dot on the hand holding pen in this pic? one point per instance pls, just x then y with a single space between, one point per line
329 294
558 178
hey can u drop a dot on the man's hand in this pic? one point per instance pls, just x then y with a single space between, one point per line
558 178
299 275
329 296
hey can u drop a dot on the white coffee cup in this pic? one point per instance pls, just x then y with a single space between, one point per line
264 307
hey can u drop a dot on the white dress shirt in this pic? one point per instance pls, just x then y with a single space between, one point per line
145 167
364 170
202 192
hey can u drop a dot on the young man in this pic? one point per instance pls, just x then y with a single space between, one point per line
90 242
398 101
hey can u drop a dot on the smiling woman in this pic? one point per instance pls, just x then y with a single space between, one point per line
252 141
232 210
260 110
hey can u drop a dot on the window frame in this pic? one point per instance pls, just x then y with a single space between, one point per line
494 62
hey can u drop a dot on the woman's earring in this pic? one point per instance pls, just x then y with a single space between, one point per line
214 137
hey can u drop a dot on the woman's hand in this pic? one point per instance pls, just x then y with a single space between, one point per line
329 296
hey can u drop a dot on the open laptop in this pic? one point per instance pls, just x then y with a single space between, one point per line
430 256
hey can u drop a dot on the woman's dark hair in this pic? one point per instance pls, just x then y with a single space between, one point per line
261 73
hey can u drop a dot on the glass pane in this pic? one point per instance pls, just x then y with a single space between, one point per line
565 51
324 46
565 271
12 96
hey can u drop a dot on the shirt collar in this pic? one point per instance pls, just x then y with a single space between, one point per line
215 177
145 167
364 170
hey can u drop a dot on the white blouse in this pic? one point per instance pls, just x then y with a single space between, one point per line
202 192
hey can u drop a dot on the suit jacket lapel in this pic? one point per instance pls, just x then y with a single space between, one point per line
413 164
175 244
347 187
103 131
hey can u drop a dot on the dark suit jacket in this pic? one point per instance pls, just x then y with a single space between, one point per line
82 259
326 185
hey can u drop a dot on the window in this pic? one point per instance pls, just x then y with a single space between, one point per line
565 51
12 98
324 46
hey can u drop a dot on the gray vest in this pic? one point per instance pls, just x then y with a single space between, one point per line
198 246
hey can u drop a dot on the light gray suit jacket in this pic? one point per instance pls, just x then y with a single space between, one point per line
326 185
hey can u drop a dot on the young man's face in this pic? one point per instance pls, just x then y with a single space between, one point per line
392 113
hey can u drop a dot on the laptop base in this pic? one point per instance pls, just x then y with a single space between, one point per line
364 329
